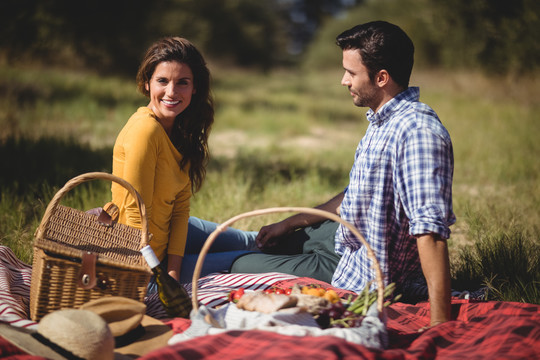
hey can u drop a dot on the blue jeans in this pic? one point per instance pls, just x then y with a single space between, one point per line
229 245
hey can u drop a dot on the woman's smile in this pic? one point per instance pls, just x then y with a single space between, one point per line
171 88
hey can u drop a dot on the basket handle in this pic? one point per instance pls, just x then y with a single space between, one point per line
88 177
222 227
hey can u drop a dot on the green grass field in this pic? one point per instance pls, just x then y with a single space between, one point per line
287 139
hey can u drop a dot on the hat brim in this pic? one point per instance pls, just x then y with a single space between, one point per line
156 335
23 339
136 333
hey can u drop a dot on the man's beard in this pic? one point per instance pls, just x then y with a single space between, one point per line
366 99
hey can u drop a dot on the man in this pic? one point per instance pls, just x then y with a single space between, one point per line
400 186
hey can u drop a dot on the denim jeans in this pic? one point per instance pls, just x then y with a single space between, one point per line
228 245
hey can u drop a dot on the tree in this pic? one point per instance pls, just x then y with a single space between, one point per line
245 32
99 34
496 36
111 35
501 36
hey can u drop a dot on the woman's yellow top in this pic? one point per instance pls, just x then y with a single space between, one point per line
145 157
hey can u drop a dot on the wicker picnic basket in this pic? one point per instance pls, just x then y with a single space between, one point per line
78 257
222 227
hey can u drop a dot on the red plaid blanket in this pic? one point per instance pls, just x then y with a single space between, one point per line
486 330
482 330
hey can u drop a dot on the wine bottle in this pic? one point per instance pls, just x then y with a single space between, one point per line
172 294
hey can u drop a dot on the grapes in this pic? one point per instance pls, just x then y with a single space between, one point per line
323 320
352 312
339 307
336 310
336 315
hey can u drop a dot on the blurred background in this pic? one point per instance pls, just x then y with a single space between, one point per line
109 36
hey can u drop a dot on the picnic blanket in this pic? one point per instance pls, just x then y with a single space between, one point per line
479 329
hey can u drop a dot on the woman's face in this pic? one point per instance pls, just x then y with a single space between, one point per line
171 88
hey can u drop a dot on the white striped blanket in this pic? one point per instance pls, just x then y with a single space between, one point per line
15 278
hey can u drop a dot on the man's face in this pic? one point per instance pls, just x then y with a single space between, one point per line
364 91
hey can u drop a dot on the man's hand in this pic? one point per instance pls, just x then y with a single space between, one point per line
433 253
270 234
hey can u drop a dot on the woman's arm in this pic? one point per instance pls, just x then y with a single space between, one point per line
174 263
178 234
138 166
179 221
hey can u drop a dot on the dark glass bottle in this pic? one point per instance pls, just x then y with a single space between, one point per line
172 294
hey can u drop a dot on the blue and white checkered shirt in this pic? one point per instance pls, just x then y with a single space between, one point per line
400 186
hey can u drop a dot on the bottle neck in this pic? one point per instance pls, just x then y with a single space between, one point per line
150 257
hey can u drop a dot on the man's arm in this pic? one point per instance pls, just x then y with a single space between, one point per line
435 263
290 224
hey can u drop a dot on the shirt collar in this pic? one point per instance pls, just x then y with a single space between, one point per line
384 113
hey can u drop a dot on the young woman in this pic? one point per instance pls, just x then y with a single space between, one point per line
163 152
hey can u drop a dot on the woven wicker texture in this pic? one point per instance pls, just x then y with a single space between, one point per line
60 241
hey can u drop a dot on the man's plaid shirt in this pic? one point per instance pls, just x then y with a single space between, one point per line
399 186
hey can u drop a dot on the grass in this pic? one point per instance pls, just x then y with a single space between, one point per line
286 139
505 262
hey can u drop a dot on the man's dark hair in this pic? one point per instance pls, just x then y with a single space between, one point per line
382 46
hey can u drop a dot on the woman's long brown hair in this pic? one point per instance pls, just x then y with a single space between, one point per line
191 127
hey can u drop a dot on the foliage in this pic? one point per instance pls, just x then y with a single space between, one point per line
63 32
111 36
498 37
244 32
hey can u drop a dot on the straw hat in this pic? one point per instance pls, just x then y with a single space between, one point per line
92 331
65 334
135 333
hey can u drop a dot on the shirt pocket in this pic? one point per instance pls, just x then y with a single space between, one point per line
375 168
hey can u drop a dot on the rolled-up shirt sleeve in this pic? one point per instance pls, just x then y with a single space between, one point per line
425 170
